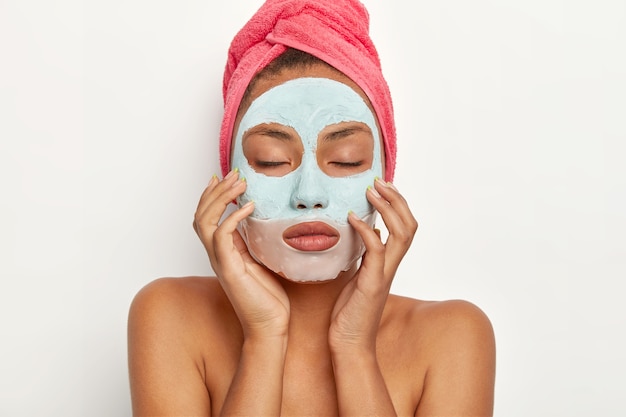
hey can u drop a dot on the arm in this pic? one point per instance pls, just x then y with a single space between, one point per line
361 388
258 299
257 386
165 379
166 324
461 376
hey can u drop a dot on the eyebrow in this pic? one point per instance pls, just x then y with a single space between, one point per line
273 133
342 133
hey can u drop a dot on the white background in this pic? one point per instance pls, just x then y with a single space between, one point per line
512 137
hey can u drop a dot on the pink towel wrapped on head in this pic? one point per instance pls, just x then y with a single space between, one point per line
335 31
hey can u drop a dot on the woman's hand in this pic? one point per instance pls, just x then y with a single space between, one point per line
256 295
358 310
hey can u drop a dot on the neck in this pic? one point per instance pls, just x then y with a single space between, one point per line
312 304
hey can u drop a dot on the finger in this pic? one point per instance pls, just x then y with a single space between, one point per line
374 258
370 237
399 237
210 187
216 189
399 221
390 193
226 239
232 254
392 219
229 225
207 222
210 211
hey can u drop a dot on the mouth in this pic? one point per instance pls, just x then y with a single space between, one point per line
311 236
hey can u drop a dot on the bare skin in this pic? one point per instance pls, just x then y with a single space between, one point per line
249 342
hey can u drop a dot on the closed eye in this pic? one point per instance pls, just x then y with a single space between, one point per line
348 164
270 163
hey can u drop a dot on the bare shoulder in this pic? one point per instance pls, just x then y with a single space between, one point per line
438 319
452 345
176 301
170 292
441 329
189 309
173 288
172 323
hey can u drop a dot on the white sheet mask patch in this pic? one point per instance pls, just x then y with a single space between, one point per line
308 105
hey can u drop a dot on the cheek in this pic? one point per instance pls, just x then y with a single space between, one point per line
349 194
271 195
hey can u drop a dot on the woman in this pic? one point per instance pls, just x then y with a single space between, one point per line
299 319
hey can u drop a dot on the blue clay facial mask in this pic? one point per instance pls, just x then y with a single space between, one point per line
299 226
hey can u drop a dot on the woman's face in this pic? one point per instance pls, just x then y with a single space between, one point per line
309 146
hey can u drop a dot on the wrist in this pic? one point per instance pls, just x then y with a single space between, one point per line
361 346
265 333
353 353
265 344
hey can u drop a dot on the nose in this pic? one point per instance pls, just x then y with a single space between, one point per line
309 192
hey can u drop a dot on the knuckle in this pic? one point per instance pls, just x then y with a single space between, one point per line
220 234
198 227
377 248
404 236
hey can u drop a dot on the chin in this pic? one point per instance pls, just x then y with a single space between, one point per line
341 276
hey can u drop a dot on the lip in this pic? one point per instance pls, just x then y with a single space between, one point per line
311 236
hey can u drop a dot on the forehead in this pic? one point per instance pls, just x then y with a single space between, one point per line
264 84
308 105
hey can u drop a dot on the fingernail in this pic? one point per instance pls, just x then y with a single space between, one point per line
382 182
236 183
386 184
248 204
231 173
373 191
213 179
